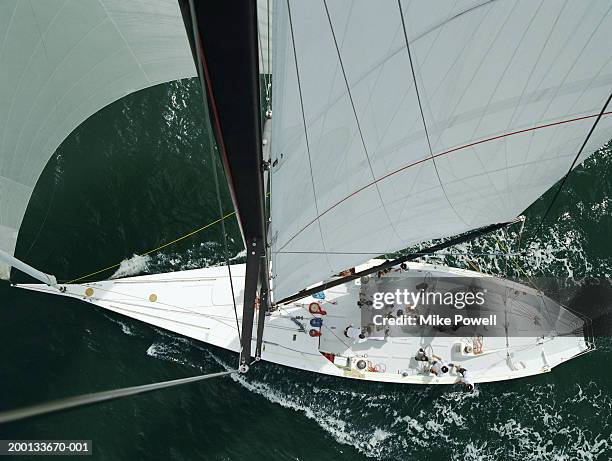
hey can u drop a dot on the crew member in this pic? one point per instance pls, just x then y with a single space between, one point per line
421 356
466 379
438 366
354 332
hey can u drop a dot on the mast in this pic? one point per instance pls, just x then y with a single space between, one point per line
223 36
264 295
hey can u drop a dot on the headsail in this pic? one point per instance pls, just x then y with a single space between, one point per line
370 163
61 62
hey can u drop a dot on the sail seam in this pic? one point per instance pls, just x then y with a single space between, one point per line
567 73
264 70
500 80
450 151
8 28
528 81
416 90
125 41
297 73
43 87
397 50
365 149
269 69
39 44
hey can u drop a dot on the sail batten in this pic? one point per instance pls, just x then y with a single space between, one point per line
506 95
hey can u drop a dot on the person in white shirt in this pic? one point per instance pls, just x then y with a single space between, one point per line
466 378
353 332
438 366
421 356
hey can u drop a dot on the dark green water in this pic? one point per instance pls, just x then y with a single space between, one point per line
136 175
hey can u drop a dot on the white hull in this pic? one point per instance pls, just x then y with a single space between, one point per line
197 304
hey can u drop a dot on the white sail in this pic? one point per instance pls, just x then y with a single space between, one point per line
62 61
264 23
508 92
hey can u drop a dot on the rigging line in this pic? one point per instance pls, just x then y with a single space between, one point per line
398 49
586 140
98 397
199 229
223 230
203 73
222 147
394 262
269 69
268 24
365 149
297 73
261 57
323 325
151 308
516 265
473 265
520 234
540 294
55 108
210 105
314 354
44 221
441 253
182 309
123 310
148 252
418 95
441 154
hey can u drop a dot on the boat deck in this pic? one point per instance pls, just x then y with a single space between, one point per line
390 351
198 304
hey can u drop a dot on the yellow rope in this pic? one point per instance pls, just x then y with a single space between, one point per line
158 248
473 265
512 259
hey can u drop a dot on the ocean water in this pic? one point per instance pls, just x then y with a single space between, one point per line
136 175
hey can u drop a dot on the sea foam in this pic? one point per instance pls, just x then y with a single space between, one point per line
135 265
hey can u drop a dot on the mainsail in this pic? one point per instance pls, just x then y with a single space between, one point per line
400 122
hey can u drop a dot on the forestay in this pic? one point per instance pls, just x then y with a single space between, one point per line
505 95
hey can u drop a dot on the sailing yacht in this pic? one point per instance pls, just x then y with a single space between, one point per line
389 124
